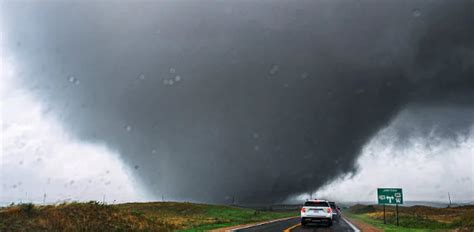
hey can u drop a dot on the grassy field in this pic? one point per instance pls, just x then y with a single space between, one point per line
415 218
156 216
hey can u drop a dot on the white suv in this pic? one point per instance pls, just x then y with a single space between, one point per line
318 211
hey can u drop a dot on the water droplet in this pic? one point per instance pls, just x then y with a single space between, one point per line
177 78
256 135
72 79
128 128
285 85
153 151
274 69
256 148
141 77
165 81
172 70
107 172
71 182
416 12
136 167
360 91
170 82
20 163
304 75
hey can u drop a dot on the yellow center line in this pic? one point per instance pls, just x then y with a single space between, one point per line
292 227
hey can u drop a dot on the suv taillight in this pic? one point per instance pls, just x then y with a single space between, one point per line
329 210
303 210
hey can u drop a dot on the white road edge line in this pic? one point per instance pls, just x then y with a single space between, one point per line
263 223
351 225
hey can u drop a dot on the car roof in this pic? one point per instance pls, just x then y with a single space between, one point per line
316 200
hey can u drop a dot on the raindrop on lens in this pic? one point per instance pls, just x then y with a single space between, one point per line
177 78
304 75
141 77
274 69
360 91
128 128
172 70
416 13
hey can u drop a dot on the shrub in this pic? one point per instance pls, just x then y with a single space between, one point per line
27 208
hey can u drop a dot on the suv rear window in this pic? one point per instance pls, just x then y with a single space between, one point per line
332 204
320 204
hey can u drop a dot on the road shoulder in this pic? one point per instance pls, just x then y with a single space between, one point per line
362 226
244 226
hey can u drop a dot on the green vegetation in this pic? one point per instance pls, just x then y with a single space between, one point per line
230 216
156 216
415 218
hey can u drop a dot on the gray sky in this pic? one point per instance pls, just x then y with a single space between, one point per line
204 102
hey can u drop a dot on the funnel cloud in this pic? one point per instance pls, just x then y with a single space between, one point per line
255 101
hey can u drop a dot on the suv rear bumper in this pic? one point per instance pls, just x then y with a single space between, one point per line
324 220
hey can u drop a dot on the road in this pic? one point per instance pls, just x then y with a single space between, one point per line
294 225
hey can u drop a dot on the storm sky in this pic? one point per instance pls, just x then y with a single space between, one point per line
255 100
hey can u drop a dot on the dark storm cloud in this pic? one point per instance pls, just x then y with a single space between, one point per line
256 99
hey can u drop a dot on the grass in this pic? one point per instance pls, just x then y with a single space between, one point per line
415 218
153 216
230 216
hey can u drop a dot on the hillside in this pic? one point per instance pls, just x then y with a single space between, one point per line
415 218
154 216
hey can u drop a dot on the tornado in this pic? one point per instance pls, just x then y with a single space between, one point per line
241 101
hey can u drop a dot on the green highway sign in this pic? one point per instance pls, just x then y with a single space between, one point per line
390 196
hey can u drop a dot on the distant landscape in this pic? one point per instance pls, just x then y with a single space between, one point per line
435 204
414 218
154 216
177 216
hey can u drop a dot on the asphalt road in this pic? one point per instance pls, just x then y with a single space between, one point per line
295 225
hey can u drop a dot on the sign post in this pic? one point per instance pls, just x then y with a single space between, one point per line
397 213
389 196
384 221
